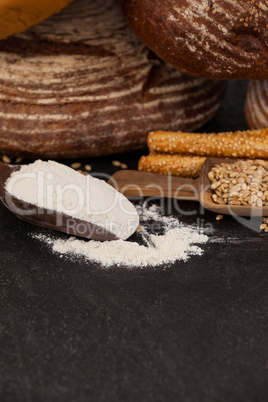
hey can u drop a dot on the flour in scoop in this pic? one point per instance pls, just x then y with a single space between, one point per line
59 188
174 241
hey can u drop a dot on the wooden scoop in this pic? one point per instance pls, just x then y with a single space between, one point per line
142 184
47 218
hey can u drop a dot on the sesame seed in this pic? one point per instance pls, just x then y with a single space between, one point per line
88 168
124 166
18 159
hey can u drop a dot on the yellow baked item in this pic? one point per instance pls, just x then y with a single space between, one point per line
252 144
176 165
18 15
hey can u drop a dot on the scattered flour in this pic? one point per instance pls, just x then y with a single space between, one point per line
176 241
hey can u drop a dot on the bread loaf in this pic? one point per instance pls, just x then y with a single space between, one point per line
81 84
18 15
222 39
256 109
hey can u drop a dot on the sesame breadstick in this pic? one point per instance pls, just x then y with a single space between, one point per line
176 165
251 144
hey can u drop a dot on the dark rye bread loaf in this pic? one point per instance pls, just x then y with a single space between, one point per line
256 109
81 84
222 39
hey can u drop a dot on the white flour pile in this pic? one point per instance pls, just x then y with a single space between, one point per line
59 188
175 242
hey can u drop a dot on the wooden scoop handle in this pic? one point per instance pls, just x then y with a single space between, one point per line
132 183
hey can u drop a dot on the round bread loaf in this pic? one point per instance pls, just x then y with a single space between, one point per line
81 84
256 109
18 15
220 39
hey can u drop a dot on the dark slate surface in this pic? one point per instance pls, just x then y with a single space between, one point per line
195 331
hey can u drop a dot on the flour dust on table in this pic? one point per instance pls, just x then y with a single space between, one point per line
161 240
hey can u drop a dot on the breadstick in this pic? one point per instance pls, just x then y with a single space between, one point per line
176 165
251 144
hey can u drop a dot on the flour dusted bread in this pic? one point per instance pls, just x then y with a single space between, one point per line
256 109
18 15
221 39
81 84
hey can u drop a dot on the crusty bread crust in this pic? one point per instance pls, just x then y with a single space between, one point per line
256 109
222 39
81 84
